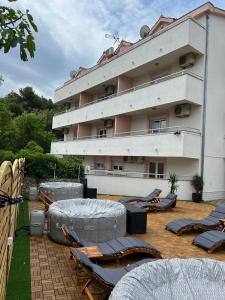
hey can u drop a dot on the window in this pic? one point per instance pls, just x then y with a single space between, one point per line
117 168
102 133
156 169
100 166
157 125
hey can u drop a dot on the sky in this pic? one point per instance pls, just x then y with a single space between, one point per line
72 34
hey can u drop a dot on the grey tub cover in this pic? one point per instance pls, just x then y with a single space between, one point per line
62 190
94 220
174 279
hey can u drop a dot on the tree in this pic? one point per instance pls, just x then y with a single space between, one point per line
31 127
16 30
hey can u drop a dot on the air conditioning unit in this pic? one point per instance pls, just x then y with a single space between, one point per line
109 90
182 110
187 60
108 123
109 52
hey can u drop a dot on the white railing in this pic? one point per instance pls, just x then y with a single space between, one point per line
143 85
135 45
167 130
135 174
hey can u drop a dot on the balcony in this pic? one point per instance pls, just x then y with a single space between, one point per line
168 142
172 89
183 36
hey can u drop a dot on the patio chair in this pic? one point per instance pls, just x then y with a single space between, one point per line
166 203
114 249
47 201
211 240
212 221
106 278
149 198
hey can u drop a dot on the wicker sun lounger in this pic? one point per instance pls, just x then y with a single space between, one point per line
106 278
150 197
116 248
164 204
212 221
210 240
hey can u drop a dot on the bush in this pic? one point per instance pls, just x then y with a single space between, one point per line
173 182
6 155
33 147
41 166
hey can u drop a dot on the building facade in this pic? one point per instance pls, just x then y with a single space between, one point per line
152 108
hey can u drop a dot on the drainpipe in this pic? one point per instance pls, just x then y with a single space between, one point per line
204 97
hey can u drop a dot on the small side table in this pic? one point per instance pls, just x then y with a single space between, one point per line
136 219
91 252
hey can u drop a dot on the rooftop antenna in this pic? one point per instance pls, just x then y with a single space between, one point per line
114 36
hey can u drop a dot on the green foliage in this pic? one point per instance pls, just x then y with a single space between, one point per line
41 166
31 127
16 30
26 117
173 182
198 183
6 155
33 147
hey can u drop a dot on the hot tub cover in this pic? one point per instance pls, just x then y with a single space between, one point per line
94 220
175 279
62 190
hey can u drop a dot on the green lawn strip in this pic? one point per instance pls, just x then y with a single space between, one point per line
19 284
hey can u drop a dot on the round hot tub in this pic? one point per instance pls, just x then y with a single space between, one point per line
93 220
62 190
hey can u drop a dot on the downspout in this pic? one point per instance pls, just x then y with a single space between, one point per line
204 97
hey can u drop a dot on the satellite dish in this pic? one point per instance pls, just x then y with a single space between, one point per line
144 31
73 74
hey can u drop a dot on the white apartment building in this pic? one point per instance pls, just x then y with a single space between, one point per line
150 108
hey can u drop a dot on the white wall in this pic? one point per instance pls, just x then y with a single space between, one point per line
214 173
125 186
171 91
187 35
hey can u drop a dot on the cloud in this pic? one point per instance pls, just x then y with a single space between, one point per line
72 34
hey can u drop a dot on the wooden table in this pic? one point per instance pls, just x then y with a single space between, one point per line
91 252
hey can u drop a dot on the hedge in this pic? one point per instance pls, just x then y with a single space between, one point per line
41 166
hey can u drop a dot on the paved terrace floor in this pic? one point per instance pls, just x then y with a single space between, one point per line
53 275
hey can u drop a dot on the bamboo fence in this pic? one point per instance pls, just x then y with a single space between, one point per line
11 177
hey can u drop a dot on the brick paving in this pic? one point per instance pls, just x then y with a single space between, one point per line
53 275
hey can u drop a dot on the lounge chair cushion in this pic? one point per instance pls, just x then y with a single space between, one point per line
209 239
115 246
212 221
147 198
107 275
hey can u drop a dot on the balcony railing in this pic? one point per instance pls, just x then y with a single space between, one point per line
172 130
135 45
134 174
146 84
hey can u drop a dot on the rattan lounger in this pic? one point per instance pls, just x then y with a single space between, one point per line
211 240
150 197
116 248
164 204
213 221
107 278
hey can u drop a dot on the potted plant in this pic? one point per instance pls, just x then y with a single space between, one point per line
173 184
197 183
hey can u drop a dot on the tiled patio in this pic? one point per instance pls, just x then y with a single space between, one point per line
53 275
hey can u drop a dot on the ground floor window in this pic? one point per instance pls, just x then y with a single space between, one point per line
156 169
117 167
100 166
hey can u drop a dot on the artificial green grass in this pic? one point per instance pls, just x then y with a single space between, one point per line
19 284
